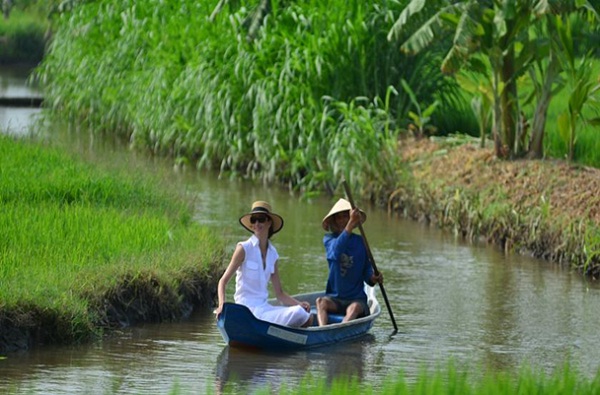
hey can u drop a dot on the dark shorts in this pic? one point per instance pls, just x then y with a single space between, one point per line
342 304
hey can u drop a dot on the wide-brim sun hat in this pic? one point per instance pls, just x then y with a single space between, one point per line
262 207
340 206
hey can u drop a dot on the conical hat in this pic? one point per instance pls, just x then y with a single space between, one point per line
338 207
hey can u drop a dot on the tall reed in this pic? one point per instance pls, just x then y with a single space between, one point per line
304 102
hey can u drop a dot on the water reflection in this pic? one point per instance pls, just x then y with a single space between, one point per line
247 370
499 318
17 121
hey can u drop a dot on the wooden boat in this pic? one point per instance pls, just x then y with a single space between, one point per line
240 328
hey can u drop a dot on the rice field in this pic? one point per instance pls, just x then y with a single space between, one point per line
73 236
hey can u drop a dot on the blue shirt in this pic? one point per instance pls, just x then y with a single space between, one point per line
349 266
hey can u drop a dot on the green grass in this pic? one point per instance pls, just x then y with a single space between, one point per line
587 146
71 235
446 381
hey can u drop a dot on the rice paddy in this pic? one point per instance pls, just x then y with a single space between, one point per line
73 238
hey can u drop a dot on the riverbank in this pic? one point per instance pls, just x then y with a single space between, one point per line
23 37
548 209
85 250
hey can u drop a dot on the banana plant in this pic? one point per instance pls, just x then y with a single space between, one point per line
421 117
481 102
584 90
499 32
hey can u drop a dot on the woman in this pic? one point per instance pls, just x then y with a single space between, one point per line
254 262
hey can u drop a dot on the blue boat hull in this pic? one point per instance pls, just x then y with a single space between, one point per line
240 328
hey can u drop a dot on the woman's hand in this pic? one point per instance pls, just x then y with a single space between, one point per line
217 311
305 306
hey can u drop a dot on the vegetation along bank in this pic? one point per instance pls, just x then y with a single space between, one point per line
24 32
257 88
84 249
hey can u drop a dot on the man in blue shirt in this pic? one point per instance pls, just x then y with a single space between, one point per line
349 267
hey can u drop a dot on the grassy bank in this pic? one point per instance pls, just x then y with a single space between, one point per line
259 103
547 209
83 250
23 37
262 98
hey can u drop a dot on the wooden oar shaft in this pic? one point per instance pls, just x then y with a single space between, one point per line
370 256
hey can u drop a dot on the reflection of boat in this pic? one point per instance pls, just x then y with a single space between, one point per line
246 370
239 327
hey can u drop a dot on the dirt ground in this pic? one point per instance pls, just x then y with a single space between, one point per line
549 209
570 190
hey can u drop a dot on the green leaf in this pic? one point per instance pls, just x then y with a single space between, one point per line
594 121
564 126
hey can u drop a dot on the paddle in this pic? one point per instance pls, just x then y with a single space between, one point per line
370 255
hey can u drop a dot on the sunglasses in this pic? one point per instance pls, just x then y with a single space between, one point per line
261 219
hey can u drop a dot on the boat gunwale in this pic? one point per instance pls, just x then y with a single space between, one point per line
336 325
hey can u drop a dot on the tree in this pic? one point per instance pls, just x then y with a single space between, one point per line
497 34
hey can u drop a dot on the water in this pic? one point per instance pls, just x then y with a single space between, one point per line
17 121
451 300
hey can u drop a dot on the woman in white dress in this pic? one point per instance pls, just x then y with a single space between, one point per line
254 263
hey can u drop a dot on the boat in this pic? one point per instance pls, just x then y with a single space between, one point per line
240 328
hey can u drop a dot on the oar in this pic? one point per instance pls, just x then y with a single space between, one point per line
370 255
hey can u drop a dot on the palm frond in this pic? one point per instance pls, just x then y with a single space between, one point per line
413 8
593 8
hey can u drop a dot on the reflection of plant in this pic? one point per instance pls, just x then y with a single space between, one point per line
422 117
583 90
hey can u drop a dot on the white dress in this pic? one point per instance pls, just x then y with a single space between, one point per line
251 287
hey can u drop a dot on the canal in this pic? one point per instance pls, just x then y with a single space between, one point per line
452 301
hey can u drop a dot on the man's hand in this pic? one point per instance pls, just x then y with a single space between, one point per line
377 278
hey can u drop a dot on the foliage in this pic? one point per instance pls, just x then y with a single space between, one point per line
500 34
22 37
583 90
264 106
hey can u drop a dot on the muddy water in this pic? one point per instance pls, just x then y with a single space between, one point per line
451 300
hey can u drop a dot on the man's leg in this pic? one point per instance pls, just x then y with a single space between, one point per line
353 311
325 306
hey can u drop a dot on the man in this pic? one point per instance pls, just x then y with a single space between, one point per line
349 267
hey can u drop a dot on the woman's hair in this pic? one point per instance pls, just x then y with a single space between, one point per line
271 233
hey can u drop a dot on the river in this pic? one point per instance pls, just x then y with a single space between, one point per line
452 301
13 84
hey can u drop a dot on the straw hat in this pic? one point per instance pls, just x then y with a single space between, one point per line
261 207
338 207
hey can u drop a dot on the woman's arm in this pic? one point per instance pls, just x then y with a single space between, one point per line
236 261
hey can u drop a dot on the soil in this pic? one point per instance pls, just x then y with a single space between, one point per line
571 191
551 208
